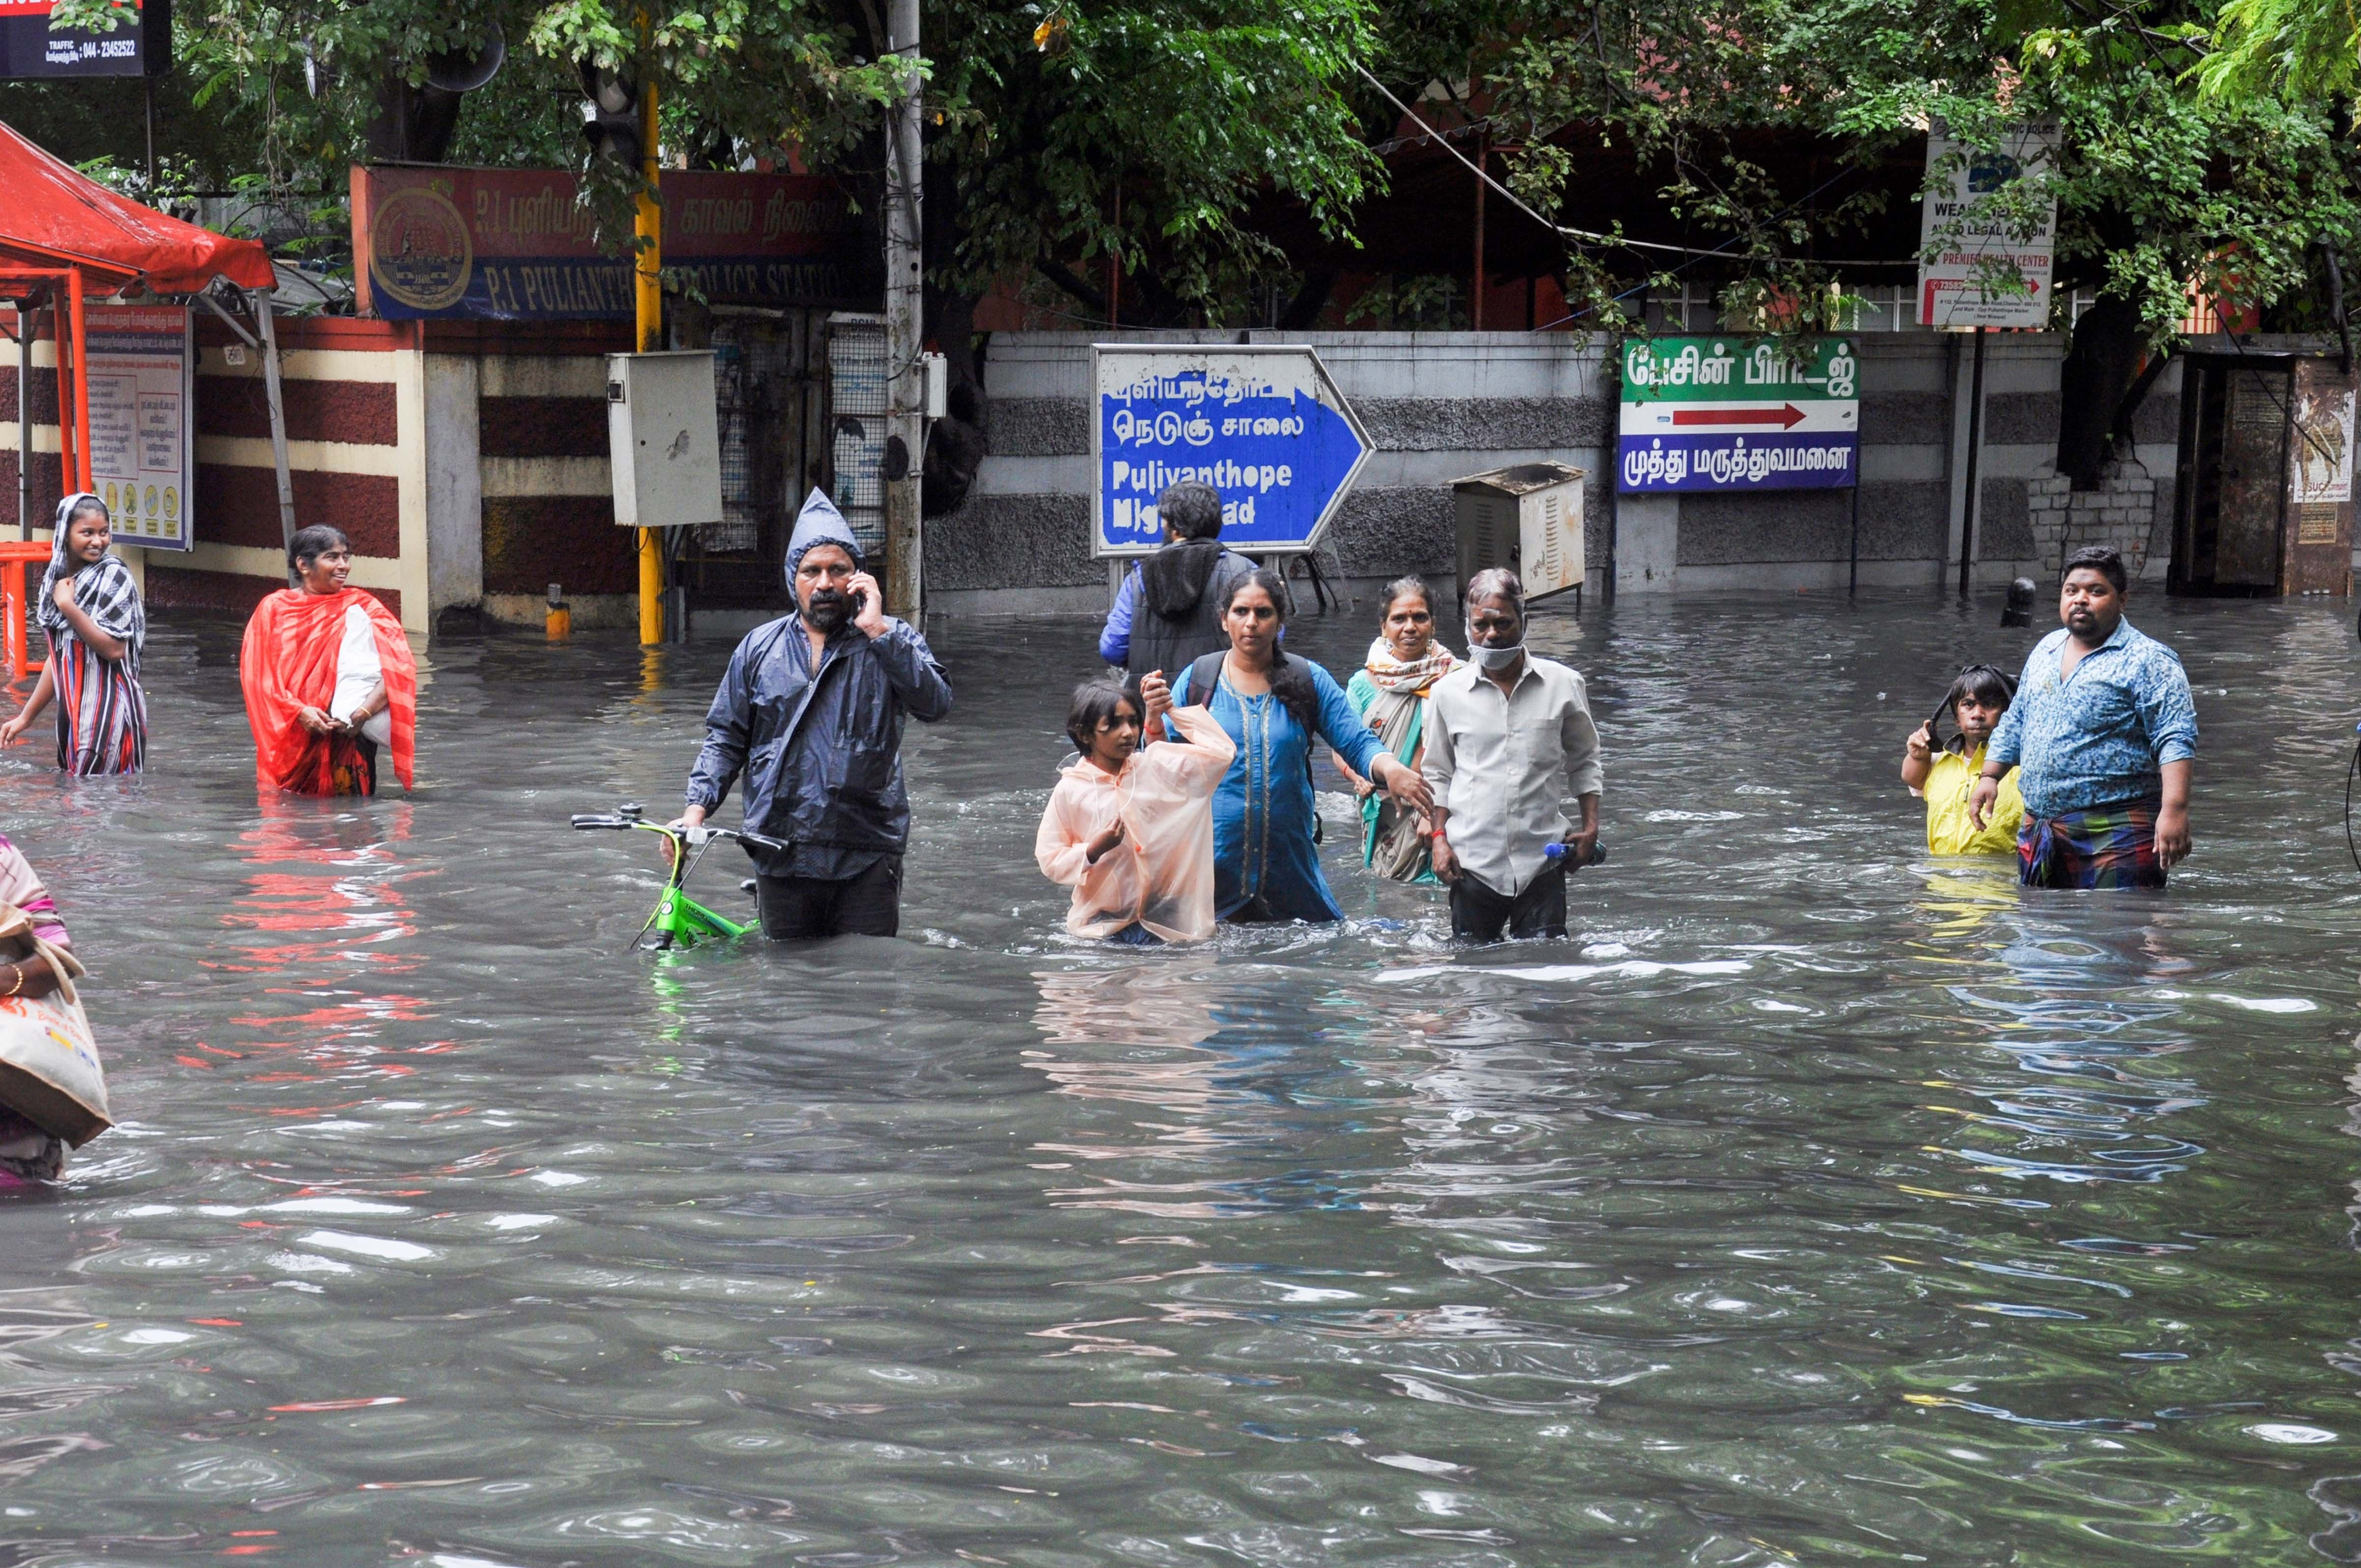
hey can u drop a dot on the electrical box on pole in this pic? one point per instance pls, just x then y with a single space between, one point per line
939 384
663 439
1528 519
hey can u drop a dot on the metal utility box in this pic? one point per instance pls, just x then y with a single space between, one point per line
1528 519
2262 504
663 439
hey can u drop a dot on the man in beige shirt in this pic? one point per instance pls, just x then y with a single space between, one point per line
1509 739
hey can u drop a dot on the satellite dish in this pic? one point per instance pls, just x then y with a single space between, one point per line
463 71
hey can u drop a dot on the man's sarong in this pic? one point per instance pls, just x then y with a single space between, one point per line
2107 845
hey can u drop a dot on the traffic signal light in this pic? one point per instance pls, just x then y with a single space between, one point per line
610 119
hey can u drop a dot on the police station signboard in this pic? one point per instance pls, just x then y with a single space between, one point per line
1739 413
1264 424
517 245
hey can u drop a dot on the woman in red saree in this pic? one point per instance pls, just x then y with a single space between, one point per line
329 679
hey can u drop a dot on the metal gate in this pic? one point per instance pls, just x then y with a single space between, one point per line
771 394
2263 505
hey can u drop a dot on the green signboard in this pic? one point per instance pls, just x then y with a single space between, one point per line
1739 413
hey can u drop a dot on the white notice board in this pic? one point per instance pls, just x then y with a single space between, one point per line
142 421
1967 241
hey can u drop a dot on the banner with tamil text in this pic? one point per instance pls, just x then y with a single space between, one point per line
516 245
1739 413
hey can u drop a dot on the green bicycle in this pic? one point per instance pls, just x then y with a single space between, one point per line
678 920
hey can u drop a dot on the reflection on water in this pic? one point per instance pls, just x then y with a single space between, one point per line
1817 1201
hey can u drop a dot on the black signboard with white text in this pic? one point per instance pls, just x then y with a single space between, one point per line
28 50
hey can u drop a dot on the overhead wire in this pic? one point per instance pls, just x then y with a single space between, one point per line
1586 237
1722 250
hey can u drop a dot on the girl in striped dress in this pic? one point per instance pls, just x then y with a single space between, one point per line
89 608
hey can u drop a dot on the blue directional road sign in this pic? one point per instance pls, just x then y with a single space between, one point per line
1264 424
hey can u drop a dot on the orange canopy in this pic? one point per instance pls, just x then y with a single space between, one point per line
56 217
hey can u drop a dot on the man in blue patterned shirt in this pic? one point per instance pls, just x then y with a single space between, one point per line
2105 729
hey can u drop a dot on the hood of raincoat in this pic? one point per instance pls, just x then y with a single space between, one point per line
820 523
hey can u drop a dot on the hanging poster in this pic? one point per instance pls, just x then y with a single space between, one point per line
2324 442
31 50
142 439
1968 243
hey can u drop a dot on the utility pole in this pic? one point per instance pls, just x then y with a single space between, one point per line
1975 455
1476 282
648 310
906 383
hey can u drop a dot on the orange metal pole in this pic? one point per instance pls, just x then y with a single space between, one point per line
62 335
12 609
15 556
82 386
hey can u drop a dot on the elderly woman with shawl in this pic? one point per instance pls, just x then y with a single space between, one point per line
89 608
329 678
1389 691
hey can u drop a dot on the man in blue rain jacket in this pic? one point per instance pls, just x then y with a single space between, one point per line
811 712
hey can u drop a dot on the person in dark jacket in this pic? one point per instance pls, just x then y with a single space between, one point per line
1168 612
811 712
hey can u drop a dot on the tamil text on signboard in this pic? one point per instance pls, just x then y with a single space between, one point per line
1263 425
1736 413
1987 230
516 245
142 450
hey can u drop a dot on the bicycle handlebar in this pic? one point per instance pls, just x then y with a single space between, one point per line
757 840
628 818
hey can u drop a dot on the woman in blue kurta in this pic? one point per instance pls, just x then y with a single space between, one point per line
1266 864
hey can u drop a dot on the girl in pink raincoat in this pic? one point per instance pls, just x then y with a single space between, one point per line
1130 827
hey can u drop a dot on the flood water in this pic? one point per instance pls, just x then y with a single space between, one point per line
1816 1203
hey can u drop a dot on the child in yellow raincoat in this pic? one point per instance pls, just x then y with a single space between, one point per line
1943 773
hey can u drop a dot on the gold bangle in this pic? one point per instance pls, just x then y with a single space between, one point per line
18 970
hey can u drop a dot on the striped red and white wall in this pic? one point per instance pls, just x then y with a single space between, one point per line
468 463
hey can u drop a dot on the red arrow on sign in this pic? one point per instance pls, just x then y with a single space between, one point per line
1785 418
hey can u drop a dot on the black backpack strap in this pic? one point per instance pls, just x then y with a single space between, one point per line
1205 674
1302 666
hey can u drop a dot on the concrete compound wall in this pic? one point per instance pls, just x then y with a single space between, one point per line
468 462
353 412
1441 405
1438 406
